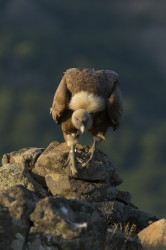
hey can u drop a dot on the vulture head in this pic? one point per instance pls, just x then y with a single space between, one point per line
81 120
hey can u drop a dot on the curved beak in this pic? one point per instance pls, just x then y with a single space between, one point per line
82 129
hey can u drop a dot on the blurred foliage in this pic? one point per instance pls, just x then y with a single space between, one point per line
39 40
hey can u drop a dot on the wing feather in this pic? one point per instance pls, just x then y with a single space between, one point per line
60 101
115 107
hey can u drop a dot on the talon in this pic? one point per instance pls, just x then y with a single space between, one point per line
71 160
92 153
66 163
93 149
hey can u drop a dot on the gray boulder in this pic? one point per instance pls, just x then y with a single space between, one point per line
25 156
54 157
16 170
74 224
69 187
18 174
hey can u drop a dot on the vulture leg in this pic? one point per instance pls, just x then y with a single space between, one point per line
71 160
100 125
96 141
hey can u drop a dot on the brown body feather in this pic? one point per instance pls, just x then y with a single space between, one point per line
101 83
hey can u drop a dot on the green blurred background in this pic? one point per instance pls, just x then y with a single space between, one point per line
40 39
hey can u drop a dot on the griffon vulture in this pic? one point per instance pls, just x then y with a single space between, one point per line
87 100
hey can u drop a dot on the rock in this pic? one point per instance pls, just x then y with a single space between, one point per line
119 237
116 211
154 236
55 155
16 204
56 223
19 201
6 229
74 224
18 174
69 187
25 155
41 241
32 219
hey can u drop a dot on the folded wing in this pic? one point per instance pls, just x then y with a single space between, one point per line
114 106
60 101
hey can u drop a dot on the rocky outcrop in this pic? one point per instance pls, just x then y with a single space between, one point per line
95 182
46 206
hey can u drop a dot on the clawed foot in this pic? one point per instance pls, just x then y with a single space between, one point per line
93 149
92 153
71 160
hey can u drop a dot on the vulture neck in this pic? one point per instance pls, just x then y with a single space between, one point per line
87 101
